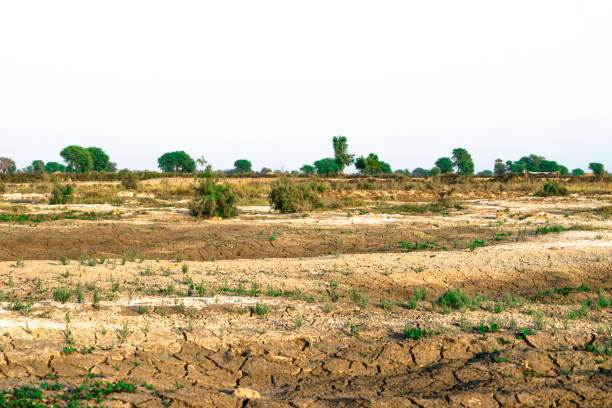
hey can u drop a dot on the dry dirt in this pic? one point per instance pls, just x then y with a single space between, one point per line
313 310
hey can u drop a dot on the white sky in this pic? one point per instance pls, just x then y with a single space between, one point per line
273 81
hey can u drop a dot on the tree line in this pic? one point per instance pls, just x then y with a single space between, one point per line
80 159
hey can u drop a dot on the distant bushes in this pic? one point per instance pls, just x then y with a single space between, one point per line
552 188
288 197
130 180
212 199
61 194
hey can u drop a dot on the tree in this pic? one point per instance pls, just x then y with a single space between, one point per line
420 172
7 165
38 167
405 172
445 165
242 166
435 170
563 170
577 172
327 166
100 158
341 152
499 168
597 168
307 169
265 170
176 161
463 161
548 166
77 158
52 167
201 161
486 173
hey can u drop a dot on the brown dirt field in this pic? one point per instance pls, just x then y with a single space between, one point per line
294 322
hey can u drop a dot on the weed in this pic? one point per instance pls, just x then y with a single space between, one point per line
61 295
455 299
261 309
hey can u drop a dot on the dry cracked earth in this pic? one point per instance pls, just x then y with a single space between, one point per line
475 309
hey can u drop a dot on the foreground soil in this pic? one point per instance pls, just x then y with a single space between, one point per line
367 321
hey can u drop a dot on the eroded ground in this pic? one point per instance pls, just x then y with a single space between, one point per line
324 309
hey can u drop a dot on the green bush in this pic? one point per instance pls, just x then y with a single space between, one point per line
552 188
61 194
61 295
212 199
289 197
455 299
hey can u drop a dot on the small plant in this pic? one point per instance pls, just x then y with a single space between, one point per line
420 294
523 333
185 268
61 295
96 299
261 309
552 188
355 330
64 260
79 292
415 333
454 299
387 305
477 243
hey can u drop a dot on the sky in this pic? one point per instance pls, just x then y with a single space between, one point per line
274 81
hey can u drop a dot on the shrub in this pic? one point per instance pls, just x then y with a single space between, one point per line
61 295
261 309
61 194
130 181
212 199
289 197
552 188
455 299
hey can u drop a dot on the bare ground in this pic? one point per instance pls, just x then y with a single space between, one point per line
300 329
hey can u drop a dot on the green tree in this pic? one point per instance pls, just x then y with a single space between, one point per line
327 166
38 167
420 172
243 166
577 172
77 158
52 167
499 168
341 152
7 165
307 169
99 157
486 173
176 161
462 160
445 165
548 166
405 172
435 170
563 170
597 168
